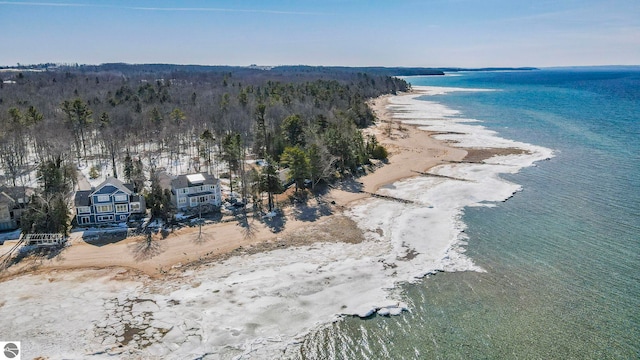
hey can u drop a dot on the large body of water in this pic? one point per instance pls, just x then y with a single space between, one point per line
562 257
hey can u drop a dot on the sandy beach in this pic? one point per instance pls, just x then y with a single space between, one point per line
411 151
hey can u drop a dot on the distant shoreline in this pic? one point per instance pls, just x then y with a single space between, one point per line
159 67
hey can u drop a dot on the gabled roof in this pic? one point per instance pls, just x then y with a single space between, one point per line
115 183
183 181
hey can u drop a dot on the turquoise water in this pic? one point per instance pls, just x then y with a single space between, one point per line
562 256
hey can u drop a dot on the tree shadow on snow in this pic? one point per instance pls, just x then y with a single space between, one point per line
275 220
248 228
33 254
98 238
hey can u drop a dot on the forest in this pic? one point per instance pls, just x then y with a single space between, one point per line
54 119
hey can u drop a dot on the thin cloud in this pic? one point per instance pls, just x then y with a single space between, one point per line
48 4
224 10
173 9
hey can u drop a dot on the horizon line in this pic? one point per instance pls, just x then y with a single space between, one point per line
71 64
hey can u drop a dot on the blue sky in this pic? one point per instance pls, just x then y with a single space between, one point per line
465 33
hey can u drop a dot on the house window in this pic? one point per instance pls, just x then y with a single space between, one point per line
184 191
182 201
121 197
83 220
194 201
105 218
84 210
203 199
104 208
103 198
123 217
122 208
135 206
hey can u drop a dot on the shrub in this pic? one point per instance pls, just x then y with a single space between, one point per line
379 153
94 172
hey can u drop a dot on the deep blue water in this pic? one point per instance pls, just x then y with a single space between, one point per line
562 256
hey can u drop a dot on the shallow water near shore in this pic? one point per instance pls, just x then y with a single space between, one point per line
562 270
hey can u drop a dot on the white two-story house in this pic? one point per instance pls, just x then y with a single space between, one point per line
110 202
194 190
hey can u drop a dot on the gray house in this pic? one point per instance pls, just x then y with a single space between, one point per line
13 201
194 190
110 202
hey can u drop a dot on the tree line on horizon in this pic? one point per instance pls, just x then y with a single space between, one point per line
304 119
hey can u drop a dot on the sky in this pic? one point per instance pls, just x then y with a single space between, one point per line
429 33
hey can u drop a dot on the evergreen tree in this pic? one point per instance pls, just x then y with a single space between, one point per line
298 163
138 177
33 116
177 116
232 152
260 143
78 117
47 214
47 211
57 177
128 167
293 130
159 201
208 140
270 182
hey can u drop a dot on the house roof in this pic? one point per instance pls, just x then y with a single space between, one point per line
115 183
18 194
82 198
6 199
283 175
183 181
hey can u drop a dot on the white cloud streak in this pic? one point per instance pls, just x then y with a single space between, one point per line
48 4
167 9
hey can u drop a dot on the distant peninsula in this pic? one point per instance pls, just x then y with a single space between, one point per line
283 69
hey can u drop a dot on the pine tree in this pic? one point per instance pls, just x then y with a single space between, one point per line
128 167
298 163
270 182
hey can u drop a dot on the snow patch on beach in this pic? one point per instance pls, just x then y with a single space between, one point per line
261 305
430 232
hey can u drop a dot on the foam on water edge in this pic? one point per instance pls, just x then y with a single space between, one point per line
261 305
